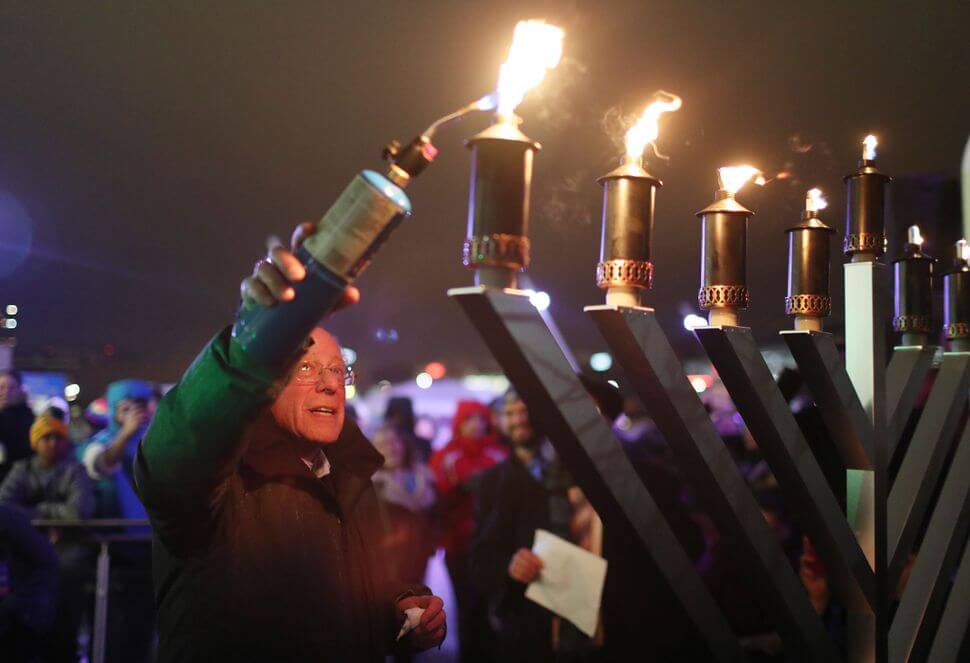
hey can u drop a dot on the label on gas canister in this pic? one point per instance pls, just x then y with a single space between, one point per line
349 231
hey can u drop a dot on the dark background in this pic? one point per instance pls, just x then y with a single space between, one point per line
148 149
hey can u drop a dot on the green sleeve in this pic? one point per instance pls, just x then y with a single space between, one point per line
195 437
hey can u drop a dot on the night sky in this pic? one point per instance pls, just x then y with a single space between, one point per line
148 149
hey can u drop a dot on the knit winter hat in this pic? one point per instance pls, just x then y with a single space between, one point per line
46 426
122 389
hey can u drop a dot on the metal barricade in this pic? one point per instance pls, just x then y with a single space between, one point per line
104 532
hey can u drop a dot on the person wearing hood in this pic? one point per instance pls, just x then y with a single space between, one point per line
109 458
474 448
400 415
109 455
267 527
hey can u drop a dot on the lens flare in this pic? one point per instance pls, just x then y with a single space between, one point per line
647 128
869 145
913 235
536 48
732 178
815 201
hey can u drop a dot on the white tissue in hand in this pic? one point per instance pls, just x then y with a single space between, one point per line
412 617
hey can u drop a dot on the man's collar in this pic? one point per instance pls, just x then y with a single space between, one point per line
272 452
317 463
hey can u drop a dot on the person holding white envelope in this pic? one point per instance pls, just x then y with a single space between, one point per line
528 491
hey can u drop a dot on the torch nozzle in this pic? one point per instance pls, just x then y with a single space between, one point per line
486 103
409 161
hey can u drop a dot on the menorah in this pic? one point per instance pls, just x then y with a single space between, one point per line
863 522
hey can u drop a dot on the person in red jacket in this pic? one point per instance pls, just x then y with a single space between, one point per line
474 447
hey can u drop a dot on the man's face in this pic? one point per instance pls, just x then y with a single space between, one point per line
51 449
128 407
515 422
311 404
10 391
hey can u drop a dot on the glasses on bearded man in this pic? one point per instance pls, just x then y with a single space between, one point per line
311 372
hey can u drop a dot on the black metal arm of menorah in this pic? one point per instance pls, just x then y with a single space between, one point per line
558 402
922 470
762 406
656 375
528 353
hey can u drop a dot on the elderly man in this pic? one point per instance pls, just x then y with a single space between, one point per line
266 522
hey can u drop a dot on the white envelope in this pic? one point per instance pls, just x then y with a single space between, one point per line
571 582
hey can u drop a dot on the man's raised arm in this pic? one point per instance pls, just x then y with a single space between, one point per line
197 433
195 437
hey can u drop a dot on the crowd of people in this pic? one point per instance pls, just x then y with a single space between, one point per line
53 482
480 497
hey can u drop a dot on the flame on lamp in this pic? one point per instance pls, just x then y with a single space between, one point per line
913 236
647 128
536 48
815 200
869 144
732 178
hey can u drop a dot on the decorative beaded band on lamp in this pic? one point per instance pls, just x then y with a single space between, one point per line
497 245
498 250
624 273
812 306
629 197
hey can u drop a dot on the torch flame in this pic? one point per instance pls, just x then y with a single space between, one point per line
732 178
869 147
963 250
536 48
647 128
815 201
913 236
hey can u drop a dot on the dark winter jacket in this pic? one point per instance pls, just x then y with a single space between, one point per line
510 506
29 593
255 558
61 492
15 422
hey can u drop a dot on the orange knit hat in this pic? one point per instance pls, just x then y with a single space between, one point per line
46 426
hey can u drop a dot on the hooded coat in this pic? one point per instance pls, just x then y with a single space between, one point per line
255 558
457 467
114 490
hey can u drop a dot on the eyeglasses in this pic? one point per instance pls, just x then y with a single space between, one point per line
311 372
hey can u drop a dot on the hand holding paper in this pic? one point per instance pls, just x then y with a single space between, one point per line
571 583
